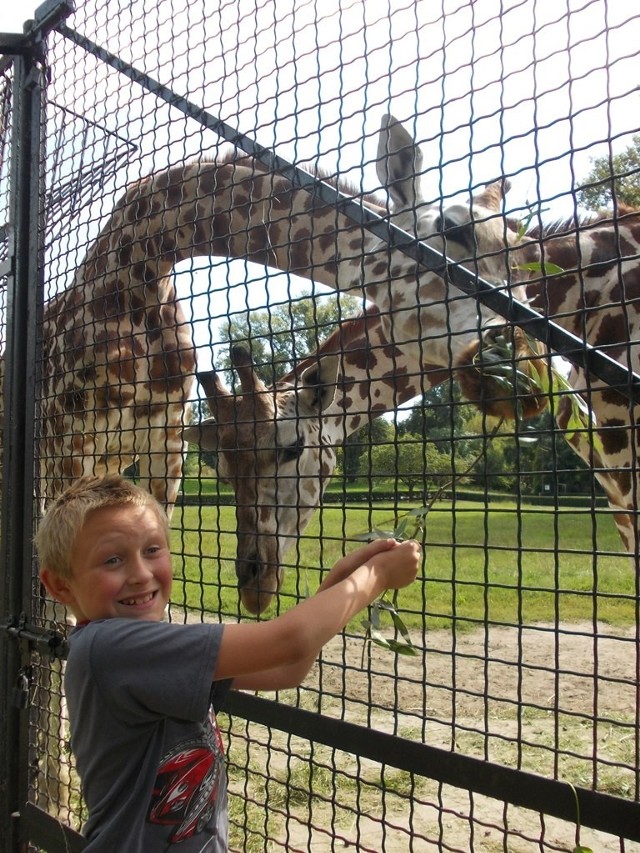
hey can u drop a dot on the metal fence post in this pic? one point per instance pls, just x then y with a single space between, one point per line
24 292
23 310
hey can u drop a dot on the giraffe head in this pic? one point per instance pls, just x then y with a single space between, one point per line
504 370
474 233
269 447
480 237
426 312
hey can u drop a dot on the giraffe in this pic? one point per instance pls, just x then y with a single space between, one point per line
277 446
595 297
301 417
294 425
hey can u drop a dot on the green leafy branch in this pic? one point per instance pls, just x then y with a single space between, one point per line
578 847
495 359
581 418
409 526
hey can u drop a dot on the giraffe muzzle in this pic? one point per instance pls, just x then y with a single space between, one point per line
257 584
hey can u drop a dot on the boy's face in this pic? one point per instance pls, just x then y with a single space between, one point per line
121 566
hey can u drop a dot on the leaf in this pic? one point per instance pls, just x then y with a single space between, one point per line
376 533
580 849
401 627
421 512
398 533
380 640
401 648
546 268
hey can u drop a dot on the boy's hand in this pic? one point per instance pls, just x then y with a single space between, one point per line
396 562
350 562
399 566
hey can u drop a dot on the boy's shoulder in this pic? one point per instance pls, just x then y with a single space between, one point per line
137 636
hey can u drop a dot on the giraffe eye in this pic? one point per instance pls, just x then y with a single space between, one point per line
459 232
293 451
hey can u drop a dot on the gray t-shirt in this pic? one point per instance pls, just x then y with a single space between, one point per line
143 731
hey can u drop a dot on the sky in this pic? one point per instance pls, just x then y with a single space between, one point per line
13 16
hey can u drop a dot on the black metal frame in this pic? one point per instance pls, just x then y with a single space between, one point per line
21 821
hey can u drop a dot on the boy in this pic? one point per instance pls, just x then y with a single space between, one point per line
142 692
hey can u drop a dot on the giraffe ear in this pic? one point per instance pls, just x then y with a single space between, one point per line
493 194
399 164
318 383
204 434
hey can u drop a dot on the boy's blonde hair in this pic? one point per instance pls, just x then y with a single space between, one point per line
67 515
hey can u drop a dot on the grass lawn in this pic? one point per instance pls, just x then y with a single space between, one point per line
493 564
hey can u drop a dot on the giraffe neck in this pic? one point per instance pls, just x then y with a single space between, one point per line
210 209
376 376
597 257
595 299
234 210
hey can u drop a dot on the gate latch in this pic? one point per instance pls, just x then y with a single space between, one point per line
42 640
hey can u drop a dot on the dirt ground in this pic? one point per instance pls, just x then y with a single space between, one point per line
587 672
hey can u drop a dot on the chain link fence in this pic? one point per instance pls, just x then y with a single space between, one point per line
227 206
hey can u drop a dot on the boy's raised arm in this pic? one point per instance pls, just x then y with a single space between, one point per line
278 653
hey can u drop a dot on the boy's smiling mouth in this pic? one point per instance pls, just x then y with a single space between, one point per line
139 600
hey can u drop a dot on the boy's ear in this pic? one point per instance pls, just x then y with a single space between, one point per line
57 586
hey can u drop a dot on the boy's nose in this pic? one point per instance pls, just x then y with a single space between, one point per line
140 571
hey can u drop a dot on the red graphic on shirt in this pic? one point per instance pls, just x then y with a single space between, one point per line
186 787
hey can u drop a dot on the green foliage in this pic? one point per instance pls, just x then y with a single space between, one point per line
350 457
409 460
619 171
286 333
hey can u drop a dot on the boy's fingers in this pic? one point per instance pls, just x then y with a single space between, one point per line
376 546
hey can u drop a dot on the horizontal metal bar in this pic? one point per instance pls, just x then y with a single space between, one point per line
12 44
614 815
47 833
574 349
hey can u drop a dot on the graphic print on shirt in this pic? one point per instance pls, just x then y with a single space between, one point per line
186 788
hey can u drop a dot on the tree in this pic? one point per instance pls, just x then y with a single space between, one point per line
356 445
440 418
281 335
619 171
411 461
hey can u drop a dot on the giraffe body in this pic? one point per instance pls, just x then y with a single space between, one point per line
597 298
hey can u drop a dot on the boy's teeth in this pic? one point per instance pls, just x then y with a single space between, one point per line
138 600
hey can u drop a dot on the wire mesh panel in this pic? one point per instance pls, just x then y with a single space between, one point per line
336 388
